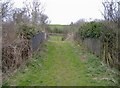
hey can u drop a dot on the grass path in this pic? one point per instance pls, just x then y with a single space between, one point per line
61 64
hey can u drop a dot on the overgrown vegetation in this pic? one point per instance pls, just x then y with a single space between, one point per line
91 30
108 41
28 31
25 22
107 33
63 63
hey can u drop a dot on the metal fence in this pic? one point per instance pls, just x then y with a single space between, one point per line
36 40
94 45
105 48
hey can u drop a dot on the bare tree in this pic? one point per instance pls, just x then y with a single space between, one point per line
44 19
6 9
17 15
34 10
119 14
80 21
112 12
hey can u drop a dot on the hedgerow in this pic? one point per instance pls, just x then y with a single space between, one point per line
27 31
91 30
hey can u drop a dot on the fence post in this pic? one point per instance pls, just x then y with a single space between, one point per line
45 35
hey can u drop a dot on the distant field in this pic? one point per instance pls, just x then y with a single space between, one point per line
64 27
57 26
53 26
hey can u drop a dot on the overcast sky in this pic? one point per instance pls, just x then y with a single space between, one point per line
67 11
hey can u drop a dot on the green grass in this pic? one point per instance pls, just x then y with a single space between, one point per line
52 26
62 63
56 39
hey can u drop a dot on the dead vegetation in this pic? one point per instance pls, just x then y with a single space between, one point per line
14 55
19 26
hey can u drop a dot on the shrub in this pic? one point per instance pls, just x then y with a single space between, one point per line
27 31
91 30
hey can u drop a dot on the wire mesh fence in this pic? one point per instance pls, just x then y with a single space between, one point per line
36 40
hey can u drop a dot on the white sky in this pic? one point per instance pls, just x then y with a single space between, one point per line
67 11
